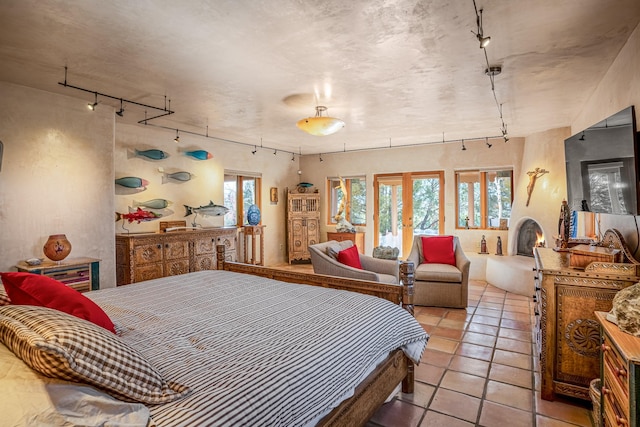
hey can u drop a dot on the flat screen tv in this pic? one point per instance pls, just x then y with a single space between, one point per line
602 166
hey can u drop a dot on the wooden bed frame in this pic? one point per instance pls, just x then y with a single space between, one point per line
379 385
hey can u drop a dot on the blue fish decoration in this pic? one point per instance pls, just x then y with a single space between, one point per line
199 154
132 182
153 203
153 154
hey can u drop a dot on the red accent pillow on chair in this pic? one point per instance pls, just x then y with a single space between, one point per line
350 257
43 291
438 250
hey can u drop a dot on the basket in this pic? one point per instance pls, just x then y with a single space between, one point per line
594 393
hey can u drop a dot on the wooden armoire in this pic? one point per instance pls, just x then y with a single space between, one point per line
303 224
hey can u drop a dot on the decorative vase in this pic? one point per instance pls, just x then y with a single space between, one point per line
253 215
57 247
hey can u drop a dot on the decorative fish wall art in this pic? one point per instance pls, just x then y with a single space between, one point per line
132 182
181 176
206 210
138 215
152 154
153 203
199 154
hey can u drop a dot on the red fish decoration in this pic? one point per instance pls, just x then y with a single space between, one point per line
137 215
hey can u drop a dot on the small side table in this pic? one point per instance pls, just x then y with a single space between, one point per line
81 274
252 233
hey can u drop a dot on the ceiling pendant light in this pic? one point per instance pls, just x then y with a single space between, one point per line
320 125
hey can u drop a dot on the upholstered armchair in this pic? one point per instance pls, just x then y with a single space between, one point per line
324 257
440 280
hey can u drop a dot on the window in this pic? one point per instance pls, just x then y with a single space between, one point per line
239 201
355 203
484 198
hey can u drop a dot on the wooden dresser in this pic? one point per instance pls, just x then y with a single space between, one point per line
620 374
567 332
303 224
357 238
148 256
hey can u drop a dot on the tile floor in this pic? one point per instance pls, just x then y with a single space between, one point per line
479 369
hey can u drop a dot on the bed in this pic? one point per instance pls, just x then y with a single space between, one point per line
247 345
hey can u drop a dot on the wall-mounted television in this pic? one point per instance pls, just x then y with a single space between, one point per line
602 166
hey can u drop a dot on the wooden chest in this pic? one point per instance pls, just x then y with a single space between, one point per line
583 255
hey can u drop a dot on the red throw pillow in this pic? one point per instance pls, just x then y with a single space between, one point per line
350 257
438 250
43 291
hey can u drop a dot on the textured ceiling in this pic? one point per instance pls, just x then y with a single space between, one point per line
397 72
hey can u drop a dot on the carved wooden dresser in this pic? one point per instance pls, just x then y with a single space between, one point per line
148 256
567 332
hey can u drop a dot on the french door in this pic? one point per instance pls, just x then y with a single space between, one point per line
406 204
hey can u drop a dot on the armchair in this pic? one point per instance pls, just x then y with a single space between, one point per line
440 285
373 269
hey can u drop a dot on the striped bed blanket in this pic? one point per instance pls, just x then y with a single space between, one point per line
256 351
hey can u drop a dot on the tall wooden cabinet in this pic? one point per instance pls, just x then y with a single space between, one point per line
303 224
152 255
567 332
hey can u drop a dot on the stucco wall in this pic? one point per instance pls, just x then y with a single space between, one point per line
56 177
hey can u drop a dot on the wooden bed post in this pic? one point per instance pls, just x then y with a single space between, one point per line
220 257
407 277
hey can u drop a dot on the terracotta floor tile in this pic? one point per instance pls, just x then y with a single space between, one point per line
456 404
509 395
510 375
509 358
463 383
480 339
437 358
452 323
515 334
494 414
428 319
434 311
520 317
488 312
421 395
429 374
475 351
517 346
486 320
491 299
428 328
517 309
516 297
483 329
435 419
470 366
512 324
442 344
398 414
452 334
561 410
542 421
490 305
459 314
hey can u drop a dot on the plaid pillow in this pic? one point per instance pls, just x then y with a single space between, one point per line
60 345
4 298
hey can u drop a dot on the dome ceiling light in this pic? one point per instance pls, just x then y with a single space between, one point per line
320 125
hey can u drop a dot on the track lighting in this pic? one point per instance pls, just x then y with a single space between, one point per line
121 111
177 138
486 141
93 106
484 41
255 150
582 136
275 152
463 147
321 157
293 157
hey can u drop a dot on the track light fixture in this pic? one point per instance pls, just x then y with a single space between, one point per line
321 157
255 150
293 157
177 138
275 152
463 147
93 106
486 141
120 112
582 137
484 41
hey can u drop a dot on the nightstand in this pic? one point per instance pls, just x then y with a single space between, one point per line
81 274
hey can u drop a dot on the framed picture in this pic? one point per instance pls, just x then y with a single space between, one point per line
273 195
